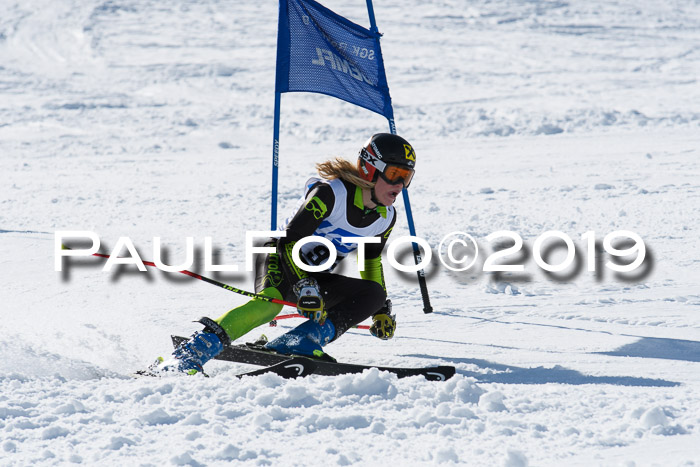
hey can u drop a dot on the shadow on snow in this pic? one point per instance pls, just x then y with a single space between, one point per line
655 347
508 374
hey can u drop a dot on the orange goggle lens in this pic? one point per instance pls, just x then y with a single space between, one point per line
394 174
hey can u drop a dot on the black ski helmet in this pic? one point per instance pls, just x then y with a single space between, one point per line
388 156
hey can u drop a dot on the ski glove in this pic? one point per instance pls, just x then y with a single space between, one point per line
383 322
309 300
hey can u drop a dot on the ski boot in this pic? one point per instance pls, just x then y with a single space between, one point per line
307 340
190 356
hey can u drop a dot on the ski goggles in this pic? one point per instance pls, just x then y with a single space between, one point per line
394 174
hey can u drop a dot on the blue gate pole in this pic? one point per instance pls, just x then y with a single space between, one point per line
372 21
275 162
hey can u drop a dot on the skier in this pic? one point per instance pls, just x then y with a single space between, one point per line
347 201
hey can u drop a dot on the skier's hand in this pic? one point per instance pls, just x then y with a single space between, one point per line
310 301
383 322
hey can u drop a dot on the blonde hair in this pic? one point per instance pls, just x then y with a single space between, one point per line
343 169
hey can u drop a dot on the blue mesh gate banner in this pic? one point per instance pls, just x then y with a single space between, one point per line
321 51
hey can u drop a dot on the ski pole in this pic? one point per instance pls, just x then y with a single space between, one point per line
230 288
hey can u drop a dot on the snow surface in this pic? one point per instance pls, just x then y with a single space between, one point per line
145 118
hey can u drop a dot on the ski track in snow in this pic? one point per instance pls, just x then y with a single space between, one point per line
143 119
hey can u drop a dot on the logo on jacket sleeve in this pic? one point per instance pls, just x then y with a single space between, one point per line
317 207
